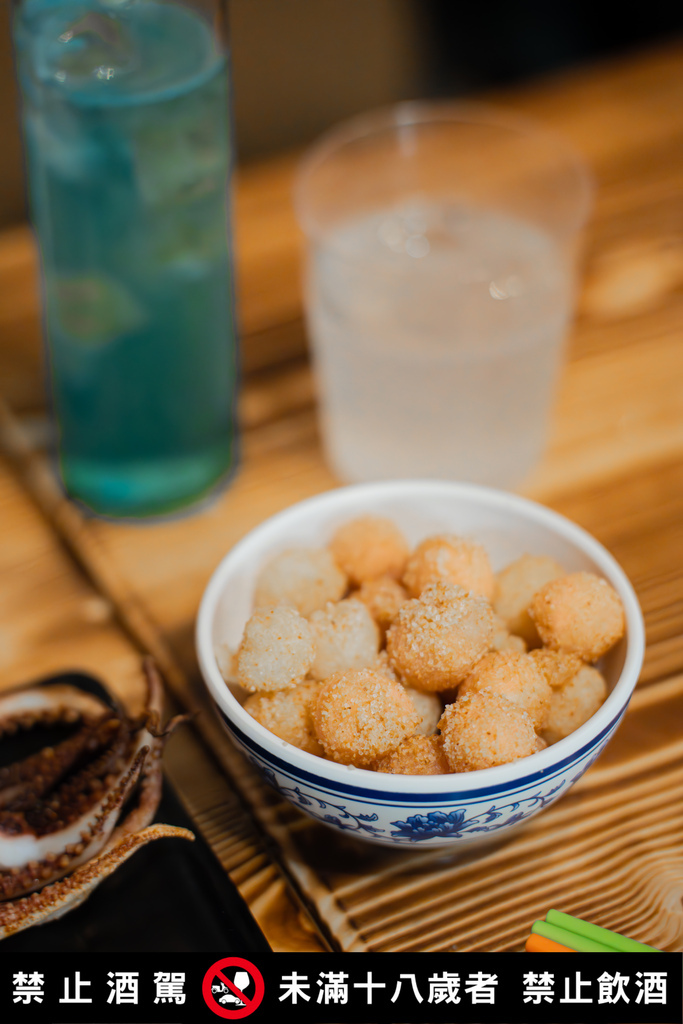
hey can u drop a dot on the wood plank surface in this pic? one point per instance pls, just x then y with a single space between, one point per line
614 464
53 620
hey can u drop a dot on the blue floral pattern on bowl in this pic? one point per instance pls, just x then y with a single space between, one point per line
463 819
439 823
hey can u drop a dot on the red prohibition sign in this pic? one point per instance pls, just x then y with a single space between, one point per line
215 973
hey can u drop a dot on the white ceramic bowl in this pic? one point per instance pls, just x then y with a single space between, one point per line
424 811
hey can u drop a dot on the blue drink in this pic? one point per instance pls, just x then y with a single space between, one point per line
128 154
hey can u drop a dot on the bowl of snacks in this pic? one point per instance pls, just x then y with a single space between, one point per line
420 662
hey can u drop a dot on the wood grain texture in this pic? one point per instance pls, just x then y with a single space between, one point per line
53 619
614 464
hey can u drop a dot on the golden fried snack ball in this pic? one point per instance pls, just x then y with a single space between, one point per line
382 665
382 597
429 706
345 637
515 676
302 578
574 703
289 715
435 640
448 558
516 585
504 640
368 547
580 613
558 667
416 755
483 730
276 651
360 716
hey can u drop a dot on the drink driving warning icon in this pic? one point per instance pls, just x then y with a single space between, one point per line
233 988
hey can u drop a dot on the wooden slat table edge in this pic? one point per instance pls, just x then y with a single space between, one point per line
71 527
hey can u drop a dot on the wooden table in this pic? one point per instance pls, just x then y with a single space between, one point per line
76 592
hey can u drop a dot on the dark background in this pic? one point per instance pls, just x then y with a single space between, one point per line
301 65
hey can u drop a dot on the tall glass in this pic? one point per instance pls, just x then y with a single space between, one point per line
128 152
441 270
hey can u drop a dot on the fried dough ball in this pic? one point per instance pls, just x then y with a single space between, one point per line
503 640
276 652
428 705
515 676
360 716
382 597
226 659
558 667
382 665
541 744
368 547
435 640
516 585
483 730
302 578
289 715
345 637
448 558
416 755
580 613
574 703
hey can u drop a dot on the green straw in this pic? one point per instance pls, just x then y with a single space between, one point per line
617 943
579 943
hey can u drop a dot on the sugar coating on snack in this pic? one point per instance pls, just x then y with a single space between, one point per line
503 640
437 638
368 547
416 755
277 650
381 665
515 676
289 715
483 730
302 578
428 707
558 667
580 613
574 703
516 585
382 597
345 637
360 716
448 558
446 645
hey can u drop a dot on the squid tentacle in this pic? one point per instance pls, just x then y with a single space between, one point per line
60 809
68 893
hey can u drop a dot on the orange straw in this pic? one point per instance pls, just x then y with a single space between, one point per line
537 944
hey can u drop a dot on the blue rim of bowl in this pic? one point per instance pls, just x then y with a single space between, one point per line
524 782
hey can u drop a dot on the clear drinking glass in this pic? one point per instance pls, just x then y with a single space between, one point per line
128 153
442 244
